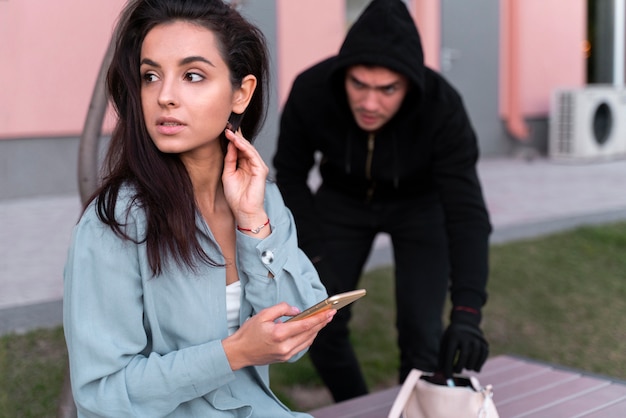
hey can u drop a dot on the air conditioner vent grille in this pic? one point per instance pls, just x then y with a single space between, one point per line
588 123
566 123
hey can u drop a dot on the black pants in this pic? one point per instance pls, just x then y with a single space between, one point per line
420 251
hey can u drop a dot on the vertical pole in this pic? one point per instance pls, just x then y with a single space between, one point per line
515 123
89 139
618 42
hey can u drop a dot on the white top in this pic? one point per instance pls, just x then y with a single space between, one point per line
233 303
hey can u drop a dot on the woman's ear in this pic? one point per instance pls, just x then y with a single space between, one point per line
243 94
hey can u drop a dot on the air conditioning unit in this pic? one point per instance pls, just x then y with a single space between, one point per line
588 124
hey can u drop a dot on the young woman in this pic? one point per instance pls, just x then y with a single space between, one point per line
186 259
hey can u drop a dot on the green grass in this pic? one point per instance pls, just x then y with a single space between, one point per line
560 299
32 369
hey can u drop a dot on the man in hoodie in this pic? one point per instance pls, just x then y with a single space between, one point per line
397 155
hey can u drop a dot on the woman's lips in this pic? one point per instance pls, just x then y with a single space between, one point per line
169 127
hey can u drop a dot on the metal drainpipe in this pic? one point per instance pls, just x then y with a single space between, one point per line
87 184
515 122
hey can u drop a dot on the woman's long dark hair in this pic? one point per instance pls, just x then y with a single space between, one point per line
159 181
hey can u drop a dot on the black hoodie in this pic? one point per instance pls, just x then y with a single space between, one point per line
428 150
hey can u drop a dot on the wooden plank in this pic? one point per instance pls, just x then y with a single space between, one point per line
586 403
497 364
513 390
615 410
527 404
374 405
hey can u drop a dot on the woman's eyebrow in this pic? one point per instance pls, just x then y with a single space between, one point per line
195 58
148 61
184 61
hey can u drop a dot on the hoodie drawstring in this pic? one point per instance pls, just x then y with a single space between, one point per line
396 161
348 153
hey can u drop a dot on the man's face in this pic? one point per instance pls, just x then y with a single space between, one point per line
374 94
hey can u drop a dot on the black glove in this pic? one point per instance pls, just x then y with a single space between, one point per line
463 345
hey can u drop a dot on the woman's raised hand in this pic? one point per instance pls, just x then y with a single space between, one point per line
244 178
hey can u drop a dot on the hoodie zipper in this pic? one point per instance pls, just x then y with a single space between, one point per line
368 165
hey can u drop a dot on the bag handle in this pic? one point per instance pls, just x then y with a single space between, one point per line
405 392
487 393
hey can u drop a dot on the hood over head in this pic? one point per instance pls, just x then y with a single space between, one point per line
384 35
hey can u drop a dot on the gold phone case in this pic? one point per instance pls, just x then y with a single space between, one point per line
337 301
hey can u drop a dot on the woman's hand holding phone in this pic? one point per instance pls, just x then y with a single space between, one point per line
263 339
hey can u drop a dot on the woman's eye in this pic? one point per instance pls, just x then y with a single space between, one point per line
193 77
149 77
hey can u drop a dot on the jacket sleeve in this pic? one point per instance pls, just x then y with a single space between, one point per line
293 278
467 221
113 371
293 161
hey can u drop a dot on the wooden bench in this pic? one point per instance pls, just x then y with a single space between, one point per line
522 388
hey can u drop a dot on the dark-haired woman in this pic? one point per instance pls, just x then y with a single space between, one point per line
186 259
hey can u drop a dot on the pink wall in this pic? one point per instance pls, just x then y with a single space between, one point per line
51 53
308 31
427 15
541 49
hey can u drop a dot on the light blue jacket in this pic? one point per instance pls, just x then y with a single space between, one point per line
143 346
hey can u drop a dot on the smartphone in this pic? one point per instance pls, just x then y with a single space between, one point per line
333 302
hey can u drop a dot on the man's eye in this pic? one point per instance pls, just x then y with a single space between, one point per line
193 77
390 90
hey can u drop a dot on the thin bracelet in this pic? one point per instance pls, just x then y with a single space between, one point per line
254 230
467 309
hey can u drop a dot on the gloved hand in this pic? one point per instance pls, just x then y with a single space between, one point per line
463 345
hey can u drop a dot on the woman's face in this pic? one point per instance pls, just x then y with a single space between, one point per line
186 92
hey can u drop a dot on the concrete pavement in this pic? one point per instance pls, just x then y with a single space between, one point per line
525 199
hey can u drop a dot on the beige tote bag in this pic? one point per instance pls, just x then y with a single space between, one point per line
420 398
